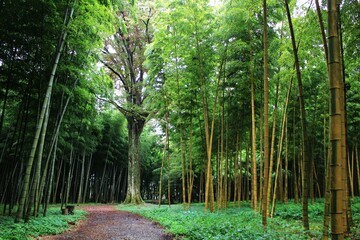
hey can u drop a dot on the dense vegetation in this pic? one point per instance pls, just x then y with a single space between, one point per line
180 102
239 223
52 224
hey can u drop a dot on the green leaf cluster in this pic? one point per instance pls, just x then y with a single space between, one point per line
53 223
234 223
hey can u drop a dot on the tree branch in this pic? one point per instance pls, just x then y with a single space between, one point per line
115 104
140 115
122 79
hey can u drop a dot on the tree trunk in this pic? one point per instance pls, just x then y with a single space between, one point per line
209 139
221 162
261 174
286 185
327 198
69 176
166 153
75 179
191 175
240 192
182 158
236 173
336 188
272 150
266 121
357 166
283 128
226 182
118 186
317 181
63 186
307 160
169 165
44 178
79 200
135 128
347 214
322 31
57 181
218 175
53 148
253 132
350 168
201 187
34 194
100 193
113 185
296 193
246 183
161 175
5 97
87 180
51 178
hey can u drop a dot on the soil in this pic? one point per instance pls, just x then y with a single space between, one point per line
104 222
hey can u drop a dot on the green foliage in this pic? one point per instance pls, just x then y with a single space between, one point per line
30 31
53 223
112 139
234 223
351 33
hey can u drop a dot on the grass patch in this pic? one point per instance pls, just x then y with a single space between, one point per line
53 223
238 223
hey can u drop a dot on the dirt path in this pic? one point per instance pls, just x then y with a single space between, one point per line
104 222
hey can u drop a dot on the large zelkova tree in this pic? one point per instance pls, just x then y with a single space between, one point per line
124 58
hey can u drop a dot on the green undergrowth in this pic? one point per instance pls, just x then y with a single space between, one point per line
238 223
53 223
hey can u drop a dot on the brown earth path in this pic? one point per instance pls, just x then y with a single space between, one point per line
104 222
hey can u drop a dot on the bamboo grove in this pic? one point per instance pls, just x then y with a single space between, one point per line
181 101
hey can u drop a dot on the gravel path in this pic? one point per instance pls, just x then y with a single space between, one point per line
104 222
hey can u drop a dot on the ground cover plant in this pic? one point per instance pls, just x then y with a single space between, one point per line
240 223
53 223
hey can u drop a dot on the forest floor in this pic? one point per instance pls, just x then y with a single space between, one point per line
105 222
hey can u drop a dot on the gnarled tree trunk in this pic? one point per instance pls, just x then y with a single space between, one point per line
135 128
